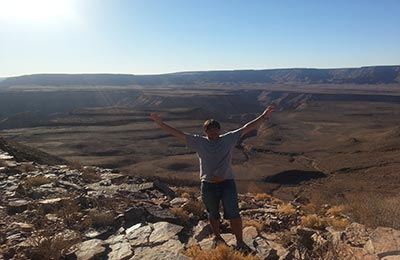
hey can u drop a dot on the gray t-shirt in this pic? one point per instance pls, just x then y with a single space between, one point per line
215 156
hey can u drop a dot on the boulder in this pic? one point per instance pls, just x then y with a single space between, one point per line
356 234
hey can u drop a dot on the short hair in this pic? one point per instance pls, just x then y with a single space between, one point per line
211 123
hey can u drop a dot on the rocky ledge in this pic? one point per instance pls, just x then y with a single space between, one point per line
64 212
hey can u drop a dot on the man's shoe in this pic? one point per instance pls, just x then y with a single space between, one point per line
244 249
218 241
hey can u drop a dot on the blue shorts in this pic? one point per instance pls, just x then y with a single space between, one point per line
213 194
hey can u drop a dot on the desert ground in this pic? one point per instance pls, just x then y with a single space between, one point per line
312 134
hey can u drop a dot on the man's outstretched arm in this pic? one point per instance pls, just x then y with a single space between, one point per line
173 131
256 123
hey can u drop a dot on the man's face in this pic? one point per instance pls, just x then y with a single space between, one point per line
213 133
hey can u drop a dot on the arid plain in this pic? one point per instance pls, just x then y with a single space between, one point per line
340 137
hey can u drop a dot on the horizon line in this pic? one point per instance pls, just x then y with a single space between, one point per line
193 71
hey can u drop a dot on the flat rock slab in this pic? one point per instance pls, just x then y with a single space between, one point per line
120 251
24 227
90 249
17 206
164 231
157 214
139 236
70 185
229 239
51 201
385 242
115 178
178 201
115 239
202 230
170 250
112 189
249 234
356 253
6 156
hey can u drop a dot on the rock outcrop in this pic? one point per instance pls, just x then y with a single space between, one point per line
58 212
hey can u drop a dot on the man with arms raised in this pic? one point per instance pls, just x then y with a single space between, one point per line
217 180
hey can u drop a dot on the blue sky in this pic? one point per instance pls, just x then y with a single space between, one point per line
161 36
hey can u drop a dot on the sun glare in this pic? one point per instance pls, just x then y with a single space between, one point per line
36 10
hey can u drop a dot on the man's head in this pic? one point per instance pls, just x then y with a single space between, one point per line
212 129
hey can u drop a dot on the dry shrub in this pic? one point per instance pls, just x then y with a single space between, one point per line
187 192
70 212
194 206
36 181
75 164
310 208
111 203
287 208
313 221
27 167
373 210
277 201
89 175
181 213
51 247
338 223
335 211
222 252
262 196
253 223
101 219
185 195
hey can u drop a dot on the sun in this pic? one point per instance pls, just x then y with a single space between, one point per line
36 10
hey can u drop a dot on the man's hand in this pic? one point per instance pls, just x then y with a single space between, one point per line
170 129
156 117
267 111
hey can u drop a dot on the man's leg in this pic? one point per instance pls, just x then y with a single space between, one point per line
237 229
231 212
210 195
214 226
